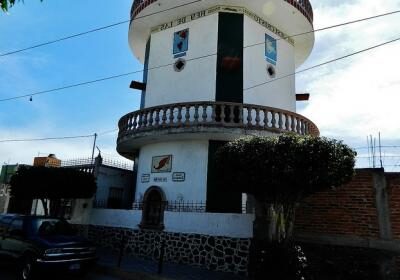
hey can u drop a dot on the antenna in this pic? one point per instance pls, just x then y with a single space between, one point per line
98 150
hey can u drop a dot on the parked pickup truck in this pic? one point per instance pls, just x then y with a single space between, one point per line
38 243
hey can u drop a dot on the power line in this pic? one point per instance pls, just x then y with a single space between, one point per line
161 66
107 132
94 81
324 63
91 31
57 138
364 148
330 27
209 55
126 21
46 139
69 86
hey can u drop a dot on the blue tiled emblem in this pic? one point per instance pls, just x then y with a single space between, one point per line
271 50
181 43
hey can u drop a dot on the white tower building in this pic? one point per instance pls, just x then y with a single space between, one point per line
210 77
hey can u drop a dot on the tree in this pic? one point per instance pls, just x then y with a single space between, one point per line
279 172
51 183
6 4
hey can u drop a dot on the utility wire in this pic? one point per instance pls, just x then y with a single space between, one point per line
57 138
94 81
364 148
107 132
70 86
205 56
161 66
324 63
46 139
126 21
330 27
91 31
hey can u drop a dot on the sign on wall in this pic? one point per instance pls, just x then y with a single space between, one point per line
145 178
161 164
178 177
160 179
181 43
271 51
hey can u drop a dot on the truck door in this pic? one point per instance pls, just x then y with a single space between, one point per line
13 241
4 224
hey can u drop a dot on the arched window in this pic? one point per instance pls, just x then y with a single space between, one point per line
154 203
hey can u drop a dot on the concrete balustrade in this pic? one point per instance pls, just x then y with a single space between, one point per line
215 114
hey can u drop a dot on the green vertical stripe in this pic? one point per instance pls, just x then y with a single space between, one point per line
219 197
229 82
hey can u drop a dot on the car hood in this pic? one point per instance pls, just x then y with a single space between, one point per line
51 241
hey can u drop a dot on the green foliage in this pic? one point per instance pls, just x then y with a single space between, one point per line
52 183
284 168
6 4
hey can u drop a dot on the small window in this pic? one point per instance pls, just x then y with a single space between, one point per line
271 71
179 65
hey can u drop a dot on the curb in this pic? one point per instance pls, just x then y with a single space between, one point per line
126 275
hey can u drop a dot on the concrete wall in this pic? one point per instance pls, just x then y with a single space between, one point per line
190 157
230 225
197 81
280 93
109 177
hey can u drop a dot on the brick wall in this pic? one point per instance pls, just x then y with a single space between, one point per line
393 184
349 210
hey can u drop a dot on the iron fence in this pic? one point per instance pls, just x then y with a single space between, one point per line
173 206
79 162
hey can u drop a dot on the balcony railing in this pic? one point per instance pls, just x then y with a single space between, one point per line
303 6
214 115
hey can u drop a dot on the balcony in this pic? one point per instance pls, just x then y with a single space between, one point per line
303 6
212 120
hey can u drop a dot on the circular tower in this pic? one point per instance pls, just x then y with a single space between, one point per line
210 69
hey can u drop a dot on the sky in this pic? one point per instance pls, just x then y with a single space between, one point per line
350 99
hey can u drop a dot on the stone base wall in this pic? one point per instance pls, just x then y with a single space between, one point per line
212 252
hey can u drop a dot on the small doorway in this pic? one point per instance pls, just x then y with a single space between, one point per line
154 204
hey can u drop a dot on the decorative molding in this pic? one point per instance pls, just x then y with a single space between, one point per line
225 9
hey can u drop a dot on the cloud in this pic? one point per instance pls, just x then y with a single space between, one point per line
357 96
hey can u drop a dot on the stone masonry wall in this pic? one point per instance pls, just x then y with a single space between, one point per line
215 253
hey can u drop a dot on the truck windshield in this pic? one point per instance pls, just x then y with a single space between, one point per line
46 227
